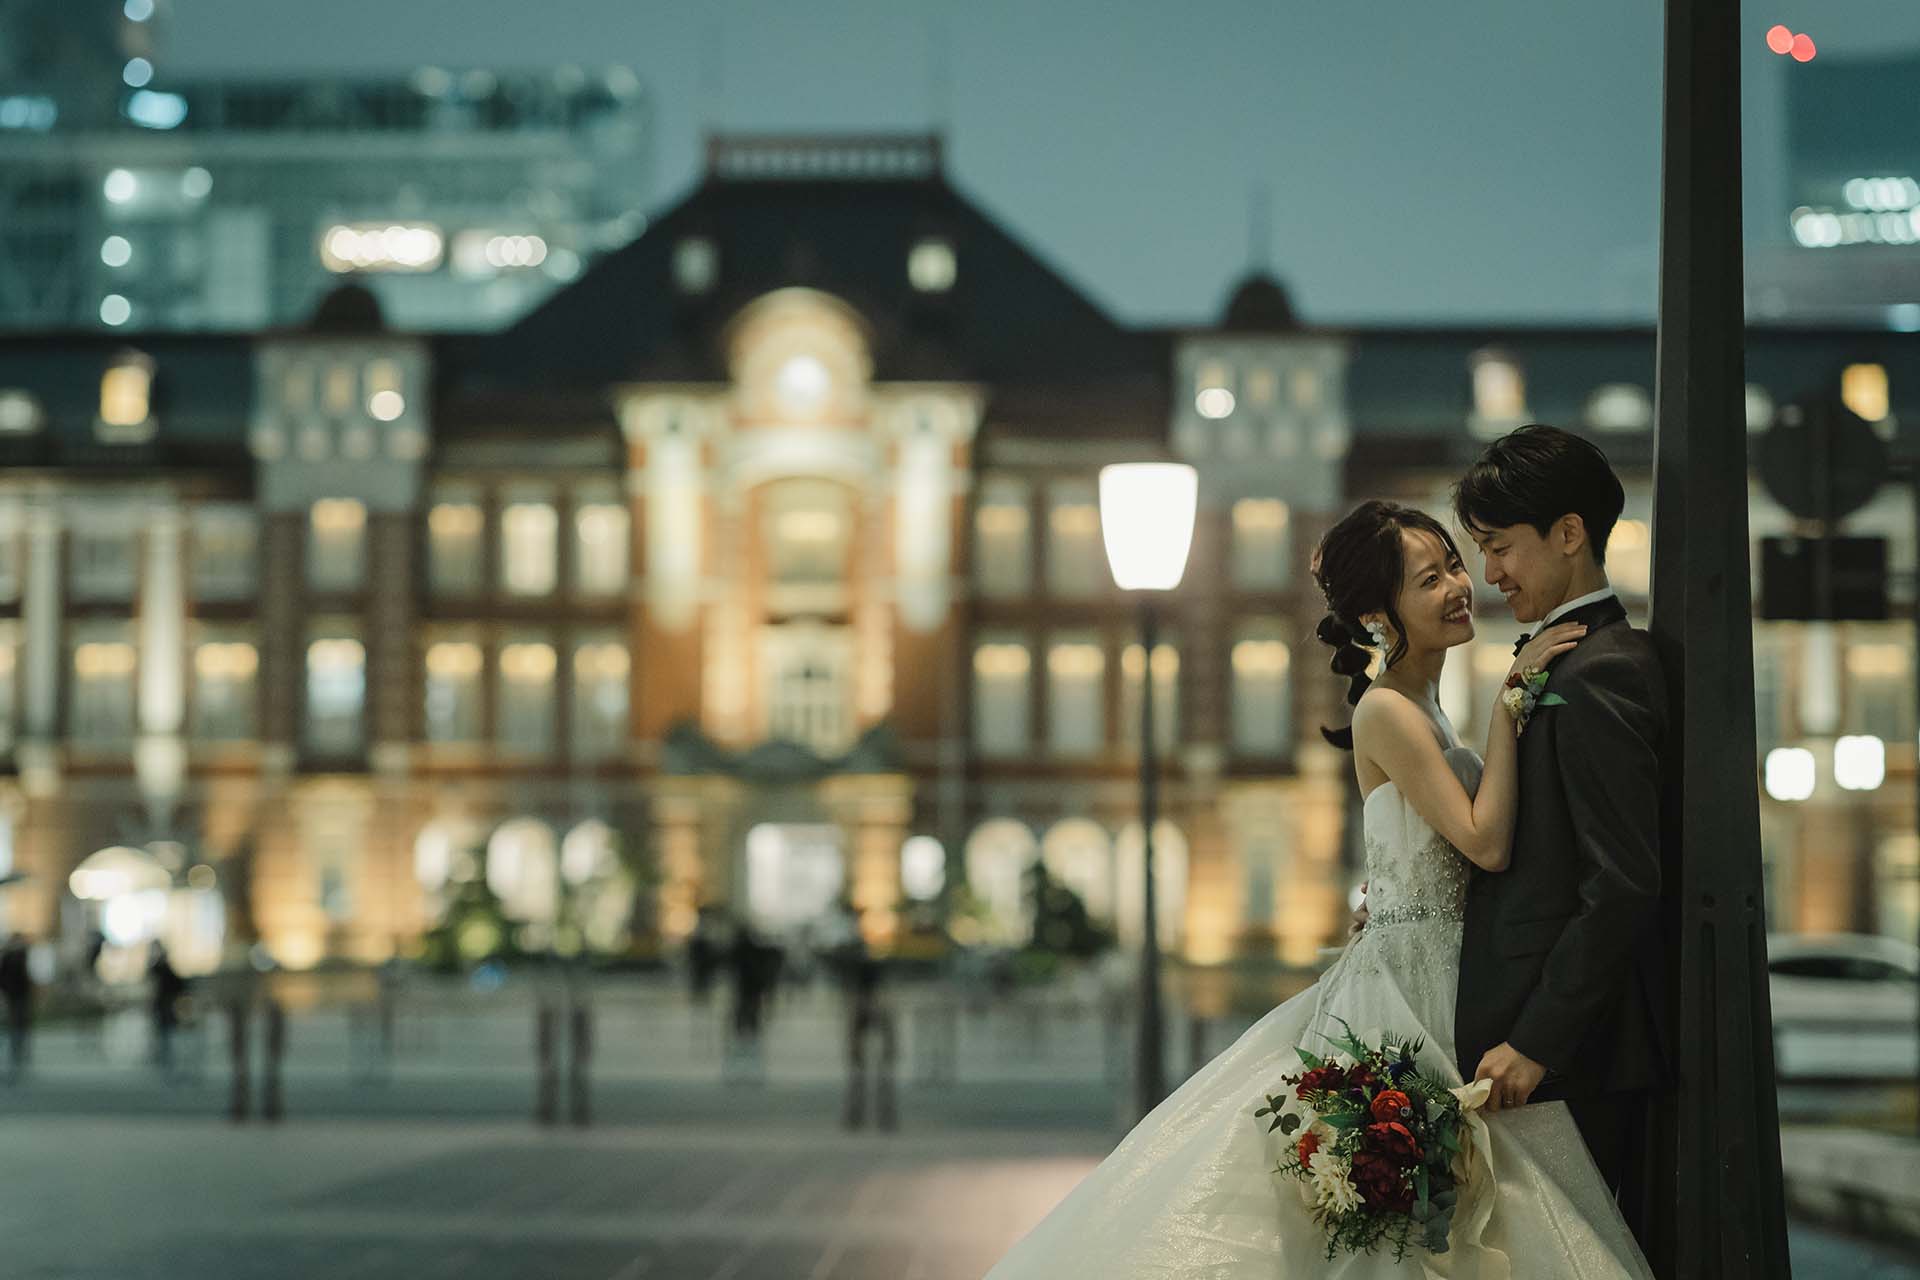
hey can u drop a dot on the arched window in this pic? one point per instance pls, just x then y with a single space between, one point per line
523 870
588 853
126 399
603 889
923 868
999 853
1169 884
1079 855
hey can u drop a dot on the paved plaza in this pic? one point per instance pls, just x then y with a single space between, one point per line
776 1194
434 1166
171 1199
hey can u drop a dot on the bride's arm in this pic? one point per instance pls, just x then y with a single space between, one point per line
1396 735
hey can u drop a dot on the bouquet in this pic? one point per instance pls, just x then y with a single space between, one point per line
1380 1149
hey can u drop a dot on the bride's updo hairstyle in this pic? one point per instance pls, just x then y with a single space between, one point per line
1360 565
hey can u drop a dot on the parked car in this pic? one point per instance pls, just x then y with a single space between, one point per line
1844 1005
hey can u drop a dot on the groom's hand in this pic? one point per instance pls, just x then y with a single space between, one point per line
1515 1076
1359 914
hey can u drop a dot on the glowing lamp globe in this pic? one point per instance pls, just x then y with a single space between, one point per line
1146 518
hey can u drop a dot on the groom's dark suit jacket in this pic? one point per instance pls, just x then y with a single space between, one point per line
1561 953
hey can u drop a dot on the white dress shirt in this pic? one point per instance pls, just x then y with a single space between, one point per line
1580 602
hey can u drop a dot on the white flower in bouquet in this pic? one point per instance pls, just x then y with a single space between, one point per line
1333 1189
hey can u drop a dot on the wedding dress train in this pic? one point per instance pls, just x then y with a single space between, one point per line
1191 1192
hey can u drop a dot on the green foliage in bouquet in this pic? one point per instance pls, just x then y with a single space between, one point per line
1377 1144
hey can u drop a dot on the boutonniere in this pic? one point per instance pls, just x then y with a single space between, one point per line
1526 691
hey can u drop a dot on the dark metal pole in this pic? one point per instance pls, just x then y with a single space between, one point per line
1715 1207
1150 1084
1913 483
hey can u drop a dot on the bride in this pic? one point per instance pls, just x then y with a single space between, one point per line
1191 1192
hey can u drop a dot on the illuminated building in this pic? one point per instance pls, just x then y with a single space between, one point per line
767 551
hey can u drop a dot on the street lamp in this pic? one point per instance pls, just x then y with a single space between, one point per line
1146 520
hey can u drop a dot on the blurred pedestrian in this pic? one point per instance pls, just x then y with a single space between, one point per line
871 1039
168 988
755 969
16 990
704 957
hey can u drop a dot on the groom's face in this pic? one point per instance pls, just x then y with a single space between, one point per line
1525 569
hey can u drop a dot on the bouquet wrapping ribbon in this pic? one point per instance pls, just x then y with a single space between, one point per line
1467 1258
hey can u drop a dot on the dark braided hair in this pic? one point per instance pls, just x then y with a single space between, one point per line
1360 564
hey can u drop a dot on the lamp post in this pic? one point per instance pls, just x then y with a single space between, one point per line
1715 1206
1146 520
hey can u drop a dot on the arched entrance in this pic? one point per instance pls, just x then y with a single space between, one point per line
999 852
796 874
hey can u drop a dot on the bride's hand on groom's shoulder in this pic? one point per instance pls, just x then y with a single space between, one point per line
1548 645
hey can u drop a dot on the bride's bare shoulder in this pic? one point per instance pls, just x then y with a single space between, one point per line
1384 710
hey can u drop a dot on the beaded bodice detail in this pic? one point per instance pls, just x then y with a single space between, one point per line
1413 874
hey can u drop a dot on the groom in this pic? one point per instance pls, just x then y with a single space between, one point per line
1561 987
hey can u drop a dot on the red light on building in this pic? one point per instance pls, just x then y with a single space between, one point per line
1803 50
1780 39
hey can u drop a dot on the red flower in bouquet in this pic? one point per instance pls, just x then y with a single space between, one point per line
1322 1080
1374 1114
1382 1183
1394 1141
1391 1104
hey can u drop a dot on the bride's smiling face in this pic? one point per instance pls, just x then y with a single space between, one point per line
1436 593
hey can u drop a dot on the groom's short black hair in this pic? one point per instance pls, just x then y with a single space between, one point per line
1533 476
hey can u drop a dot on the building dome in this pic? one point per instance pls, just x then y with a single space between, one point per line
351 308
1259 305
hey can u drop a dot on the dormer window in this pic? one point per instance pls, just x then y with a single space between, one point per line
1499 393
696 265
1620 406
931 267
20 413
126 400
1863 389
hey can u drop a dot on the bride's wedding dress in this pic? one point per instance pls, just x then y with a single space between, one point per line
1191 1192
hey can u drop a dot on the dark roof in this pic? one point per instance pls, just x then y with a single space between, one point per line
201 398
1010 321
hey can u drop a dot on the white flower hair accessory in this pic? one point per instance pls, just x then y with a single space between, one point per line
1378 630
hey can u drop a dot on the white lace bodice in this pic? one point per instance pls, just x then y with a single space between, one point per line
1413 874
